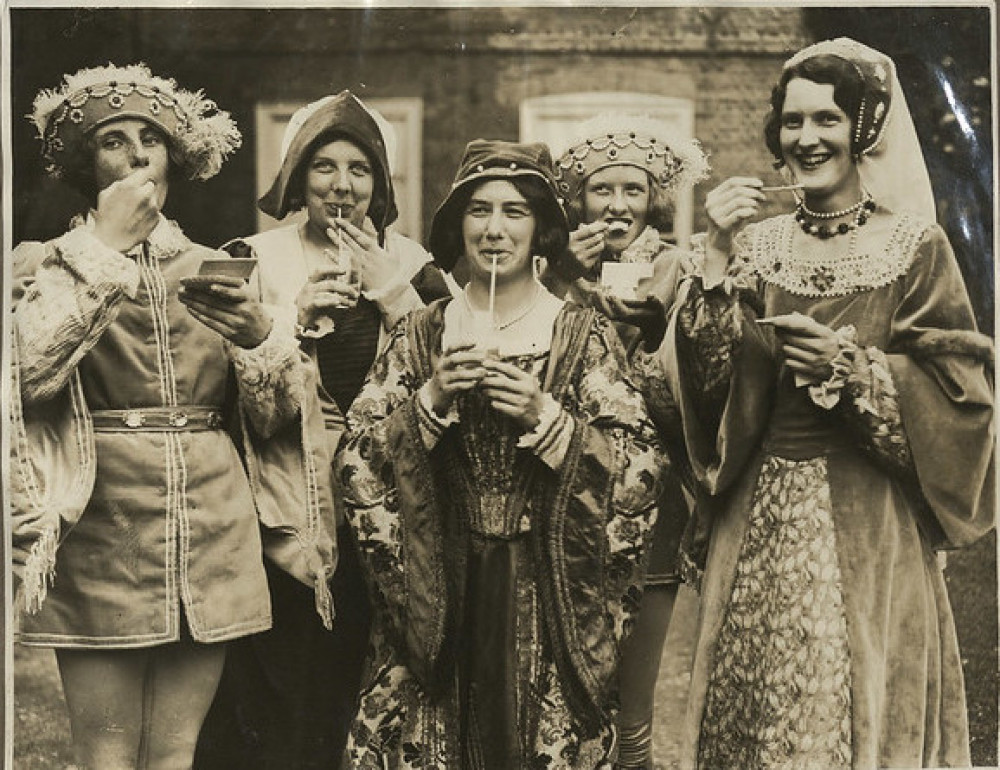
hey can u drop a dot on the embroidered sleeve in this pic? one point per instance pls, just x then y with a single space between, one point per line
871 408
367 469
708 334
550 439
609 401
271 379
74 295
430 424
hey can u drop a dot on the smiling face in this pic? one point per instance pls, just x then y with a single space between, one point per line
339 182
123 147
815 139
498 223
620 196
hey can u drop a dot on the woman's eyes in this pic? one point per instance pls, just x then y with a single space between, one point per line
484 210
358 170
820 119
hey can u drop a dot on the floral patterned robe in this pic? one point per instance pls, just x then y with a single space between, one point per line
826 637
492 568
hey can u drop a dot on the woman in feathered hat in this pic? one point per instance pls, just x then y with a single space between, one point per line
136 530
838 411
499 473
618 178
288 696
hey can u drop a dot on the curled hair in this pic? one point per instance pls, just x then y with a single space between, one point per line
848 93
550 236
297 179
659 212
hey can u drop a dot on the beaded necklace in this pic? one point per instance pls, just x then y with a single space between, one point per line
863 209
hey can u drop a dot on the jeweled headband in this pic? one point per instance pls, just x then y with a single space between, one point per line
610 139
201 133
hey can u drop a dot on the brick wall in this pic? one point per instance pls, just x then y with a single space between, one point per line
471 67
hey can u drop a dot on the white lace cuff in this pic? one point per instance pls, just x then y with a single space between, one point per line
96 263
826 394
550 439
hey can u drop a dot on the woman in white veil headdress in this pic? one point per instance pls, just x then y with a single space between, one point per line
837 400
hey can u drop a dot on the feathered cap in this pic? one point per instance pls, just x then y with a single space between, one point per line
617 139
488 159
201 133
876 72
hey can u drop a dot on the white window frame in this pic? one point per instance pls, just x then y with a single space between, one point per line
549 119
406 115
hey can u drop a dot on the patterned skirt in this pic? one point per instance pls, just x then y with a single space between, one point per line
779 695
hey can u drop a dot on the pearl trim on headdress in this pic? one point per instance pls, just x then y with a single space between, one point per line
610 139
203 134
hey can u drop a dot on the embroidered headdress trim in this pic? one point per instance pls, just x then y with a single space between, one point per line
201 133
874 69
612 139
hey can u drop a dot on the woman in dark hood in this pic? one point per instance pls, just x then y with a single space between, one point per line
288 696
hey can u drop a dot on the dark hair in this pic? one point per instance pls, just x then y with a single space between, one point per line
297 179
550 236
848 93
659 212
78 167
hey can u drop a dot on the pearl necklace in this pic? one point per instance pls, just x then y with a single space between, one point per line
861 210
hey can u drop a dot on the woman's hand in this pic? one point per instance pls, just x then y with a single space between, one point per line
127 211
586 244
459 369
809 347
513 392
376 265
227 307
729 207
326 290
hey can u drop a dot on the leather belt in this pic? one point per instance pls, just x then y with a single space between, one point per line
180 418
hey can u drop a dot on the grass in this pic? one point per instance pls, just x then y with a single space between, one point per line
42 737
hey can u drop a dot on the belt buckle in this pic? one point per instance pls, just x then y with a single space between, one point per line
133 419
178 419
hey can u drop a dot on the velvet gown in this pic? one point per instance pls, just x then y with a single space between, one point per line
826 637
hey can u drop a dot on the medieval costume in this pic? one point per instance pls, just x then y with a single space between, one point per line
134 522
505 566
288 696
826 637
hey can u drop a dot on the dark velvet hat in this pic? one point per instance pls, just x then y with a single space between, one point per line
484 160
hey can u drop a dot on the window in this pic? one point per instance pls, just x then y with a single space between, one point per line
405 115
551 118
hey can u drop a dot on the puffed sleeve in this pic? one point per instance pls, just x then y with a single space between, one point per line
67 293
942 369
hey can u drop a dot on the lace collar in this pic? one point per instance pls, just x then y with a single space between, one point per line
167 239
644 248
766 249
